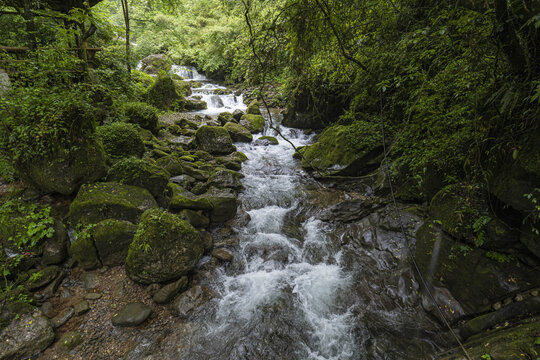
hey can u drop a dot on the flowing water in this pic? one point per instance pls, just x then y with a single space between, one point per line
300 286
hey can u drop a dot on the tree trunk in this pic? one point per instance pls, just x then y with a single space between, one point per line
125 9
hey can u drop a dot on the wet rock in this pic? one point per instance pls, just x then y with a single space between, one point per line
69 341
142 173
90 280
225 117
165 248
54 285
183 199
214 139
184 181
131 315
47 309
254 123
144 349
226 179
152 289
55 249
101 201
187 302
351 210
82 308
223 255
169 291
152 64
266 141
111 239
237 114
224 204
26 336
238 133
449 306
195 218
253 108
63 317
41 278
207 240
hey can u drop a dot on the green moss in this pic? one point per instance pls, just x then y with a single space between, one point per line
164 94
142 114
225 117
272 140
121 140
165 248
183 199
254 123
253 108
238 133
101 201
84 250
214 140
112 239
172 164
140 172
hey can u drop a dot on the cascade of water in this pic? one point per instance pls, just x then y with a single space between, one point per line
188 73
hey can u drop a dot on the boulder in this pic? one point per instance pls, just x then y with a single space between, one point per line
237 114
41 278
238 133
188 302
25 336
225 117
169 291
195 105
214 139
84 250
121 140
70 340
224 204
66 169
265 141
112 239
101 201
183 199
5 82
172 164
165 248
475 277
152 64
164 93
142 173
253 108
226 179
55 248
132 314
336 153
184 181
195 218
254 123
142 114
223 255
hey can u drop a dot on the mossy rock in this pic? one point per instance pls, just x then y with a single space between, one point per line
238 133
214 140
121 140
153 64
224 204
164 249
231 164
84 250
254 123
164 93
464 212
101 201
142 114
195 218
265 141
334 154
226 179
183 199
195 105
112 239
253 108
472 275
172 164
187 124
225 117
65 170
142 173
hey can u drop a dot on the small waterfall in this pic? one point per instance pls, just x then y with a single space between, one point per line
188 73
218 99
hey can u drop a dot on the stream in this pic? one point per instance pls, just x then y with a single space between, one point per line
303 284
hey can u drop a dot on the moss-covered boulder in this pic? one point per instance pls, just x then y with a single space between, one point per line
238 133
253 108
476 278
142 114
464 212
142 173
195 218
172 164
183 199
164 249
84 250
224 204
101 201
195 105
64 170
164 93
153 64
254 123
121 140
112 239
344 150
226 117
226 179
214 139
265 141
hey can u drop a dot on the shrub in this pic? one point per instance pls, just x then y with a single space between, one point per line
121 140
142 114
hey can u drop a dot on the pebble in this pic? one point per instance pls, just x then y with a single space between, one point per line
519 297
92 296
169 291
47 309
82 307
90 280
534 293
497 306
69 340
507 301
62 318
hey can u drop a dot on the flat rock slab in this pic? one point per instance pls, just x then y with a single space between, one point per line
169 291
223 254
62 318
92 296
82 307
131 315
